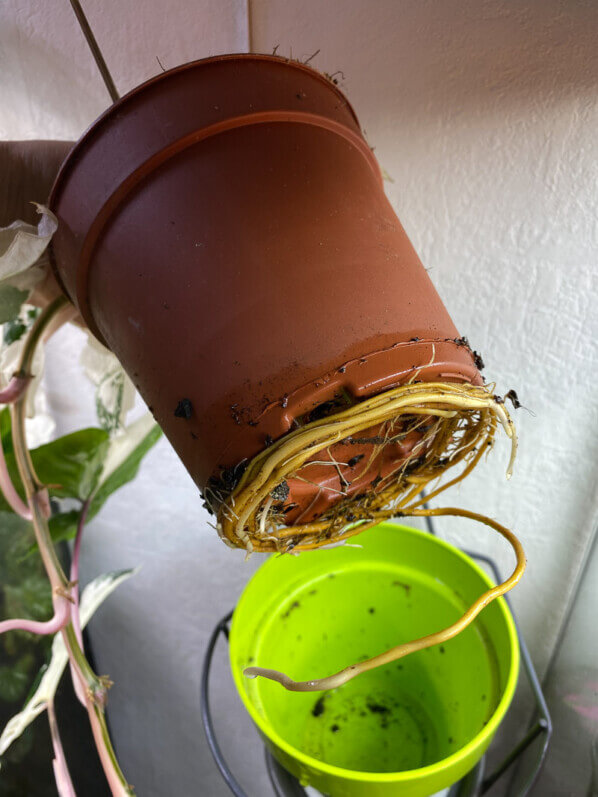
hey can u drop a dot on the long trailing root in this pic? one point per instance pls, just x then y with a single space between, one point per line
398 652
457 424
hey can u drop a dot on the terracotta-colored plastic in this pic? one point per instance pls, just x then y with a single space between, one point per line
224 231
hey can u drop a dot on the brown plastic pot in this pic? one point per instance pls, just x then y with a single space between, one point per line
223 229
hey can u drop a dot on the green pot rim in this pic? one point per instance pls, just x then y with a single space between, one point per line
478 742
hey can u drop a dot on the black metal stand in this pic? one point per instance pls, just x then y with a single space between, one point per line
473 784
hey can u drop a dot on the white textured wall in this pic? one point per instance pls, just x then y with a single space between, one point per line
485 114
572 691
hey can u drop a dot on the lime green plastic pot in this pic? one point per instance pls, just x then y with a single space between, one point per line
410 728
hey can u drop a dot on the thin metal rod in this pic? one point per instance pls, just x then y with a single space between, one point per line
249 18
95 50
544 723
540 727
570 608
428 518
283 783
206 714
429 522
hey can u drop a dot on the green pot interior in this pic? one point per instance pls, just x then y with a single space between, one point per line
312 615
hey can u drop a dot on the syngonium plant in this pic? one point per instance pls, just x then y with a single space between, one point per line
47 494
314 454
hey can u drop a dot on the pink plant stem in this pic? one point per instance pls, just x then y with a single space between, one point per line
62 614
68 313
94 687
74 575
74 578
8 490
64 784
87 698
14 390
98 727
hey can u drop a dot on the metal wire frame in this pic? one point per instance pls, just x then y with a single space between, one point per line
541 728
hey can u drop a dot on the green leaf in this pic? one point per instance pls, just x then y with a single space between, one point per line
74 462
121 461
31 598
93 596
70 466
24 588
63 526
16 535
124 457
5 428
15 328
84 464
12 331
11 299
15 679
110 394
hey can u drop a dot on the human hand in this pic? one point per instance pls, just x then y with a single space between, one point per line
28 170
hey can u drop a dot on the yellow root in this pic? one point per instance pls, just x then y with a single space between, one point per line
458 423
398 652
463 420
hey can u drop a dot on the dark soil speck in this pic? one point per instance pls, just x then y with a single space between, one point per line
294 605
318 708
184 409
378 708
478 361
354 460
281 491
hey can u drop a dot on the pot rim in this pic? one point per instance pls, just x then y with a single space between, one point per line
79 296
116 106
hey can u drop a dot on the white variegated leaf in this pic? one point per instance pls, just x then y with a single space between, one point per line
22 244
115 393
123 445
